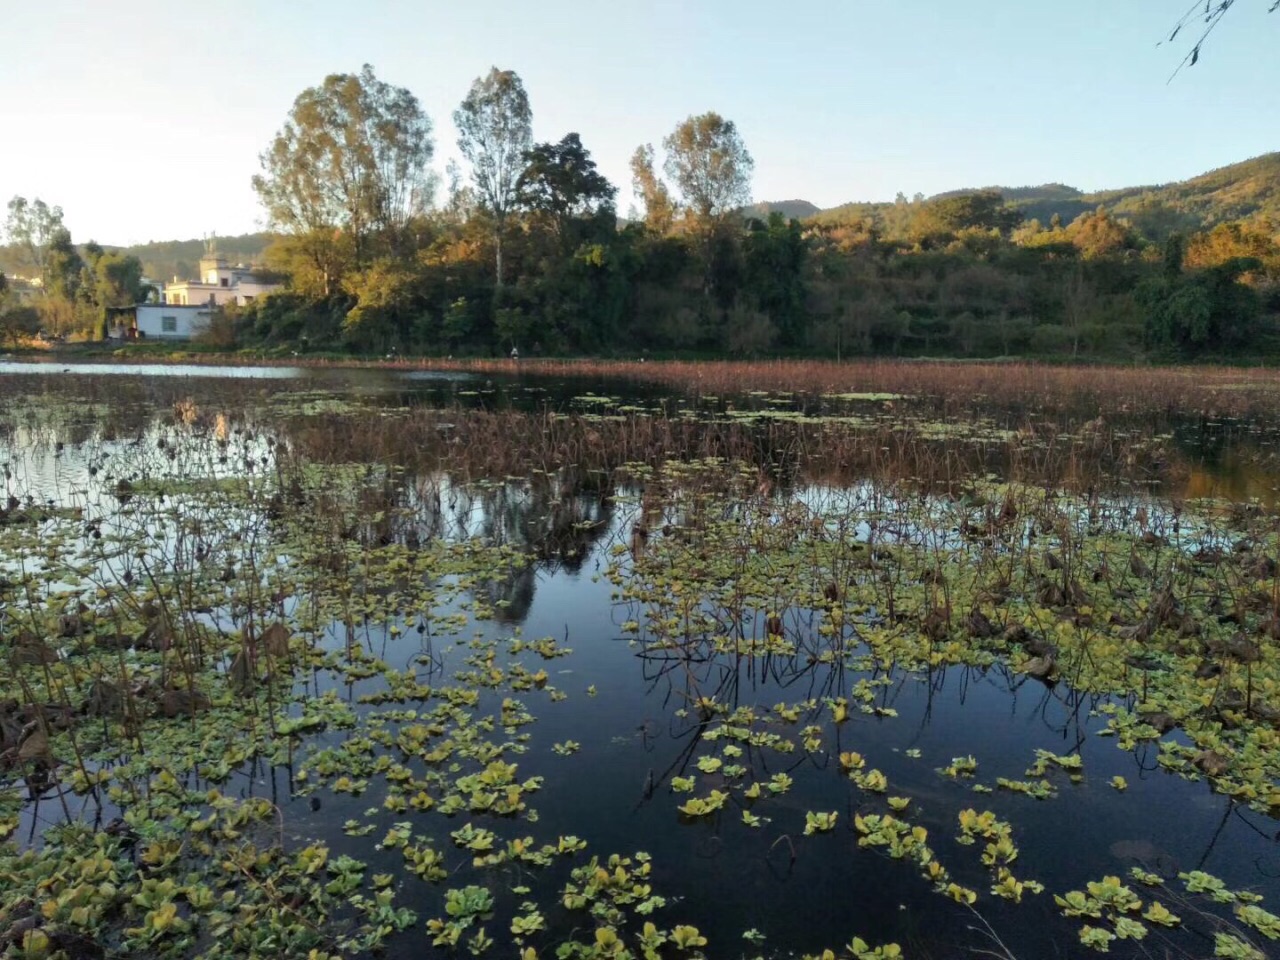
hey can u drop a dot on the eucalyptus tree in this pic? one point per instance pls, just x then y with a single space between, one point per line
351 163
495 129
709 163
710 166
659 207
36 229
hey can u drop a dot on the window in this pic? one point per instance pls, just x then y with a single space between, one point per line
225 282
168 324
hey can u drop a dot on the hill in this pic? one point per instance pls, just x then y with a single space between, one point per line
1241 191
165 259
791 209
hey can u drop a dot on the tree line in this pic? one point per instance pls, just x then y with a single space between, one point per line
526 249
72 289
523 247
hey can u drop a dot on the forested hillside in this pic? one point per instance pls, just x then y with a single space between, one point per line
164 259
791 209
1242 191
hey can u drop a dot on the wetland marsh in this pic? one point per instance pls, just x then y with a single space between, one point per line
485 662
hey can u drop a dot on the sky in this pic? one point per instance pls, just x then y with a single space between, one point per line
144 119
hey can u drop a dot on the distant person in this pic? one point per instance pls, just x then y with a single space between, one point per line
515 354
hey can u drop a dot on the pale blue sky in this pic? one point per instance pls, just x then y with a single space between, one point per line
144 118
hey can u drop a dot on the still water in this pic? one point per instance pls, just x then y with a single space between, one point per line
629 708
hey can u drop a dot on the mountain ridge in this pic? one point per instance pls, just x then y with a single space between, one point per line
1248 189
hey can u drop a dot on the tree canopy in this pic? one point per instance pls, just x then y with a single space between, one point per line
351 162
495 129
35 228
560 180
709 163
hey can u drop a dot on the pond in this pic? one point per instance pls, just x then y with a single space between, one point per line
321 662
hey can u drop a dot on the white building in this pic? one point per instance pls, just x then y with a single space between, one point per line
219 284
25 289
171 321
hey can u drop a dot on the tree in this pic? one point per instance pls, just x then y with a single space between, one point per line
983 210
774 257
659 209
494 131
708 161
1079 306
384 294
350 161
34 226
560 180
117 280
63 266
1098 234
1236 241
17 320
1201 309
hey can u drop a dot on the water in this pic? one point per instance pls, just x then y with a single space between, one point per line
148 370
632 711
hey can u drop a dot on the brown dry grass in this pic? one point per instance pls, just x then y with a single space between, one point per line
472 444
1207 391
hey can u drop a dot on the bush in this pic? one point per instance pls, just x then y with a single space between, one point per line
221 332
1050 338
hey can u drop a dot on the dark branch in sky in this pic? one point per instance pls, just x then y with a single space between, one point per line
1208 14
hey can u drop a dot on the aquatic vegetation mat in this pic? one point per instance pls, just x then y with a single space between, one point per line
274 686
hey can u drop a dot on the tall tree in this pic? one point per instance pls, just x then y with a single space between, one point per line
352 160
117 280
34 226
495 128
63 266
708 161
561 182
16 318
659 208
774 256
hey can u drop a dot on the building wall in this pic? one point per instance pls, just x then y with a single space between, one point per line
215 272
192 293
248 289
167 321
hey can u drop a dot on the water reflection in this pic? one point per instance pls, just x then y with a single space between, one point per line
1232 476
654 708
189 370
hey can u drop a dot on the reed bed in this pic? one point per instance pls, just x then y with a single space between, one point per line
1205 391
473 444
